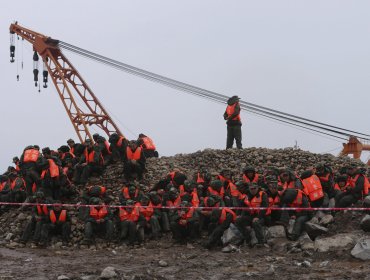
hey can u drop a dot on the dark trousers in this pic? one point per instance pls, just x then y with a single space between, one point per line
345 199
51 187
133 171
92 228
245 224
234 132
182 232
33 228
83 173
30 177
128 229
62 228
215 232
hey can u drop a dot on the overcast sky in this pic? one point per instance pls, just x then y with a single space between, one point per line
309 58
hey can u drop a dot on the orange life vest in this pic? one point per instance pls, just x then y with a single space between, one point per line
247 180
187 215
290 185
149 144
42 210
214 192
133 155
17 167
65 154
107 146
298 201
53 170
194 195
200 178
224 211
102 190
31 155
98 214
221 178
34 187
352 183
175 203
12 185
147 211
62 216
90 157
254 202
312 188
273 202
126 193
233 189
2 185
120 140
230 110
132 216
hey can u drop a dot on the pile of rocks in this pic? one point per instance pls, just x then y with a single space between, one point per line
13 220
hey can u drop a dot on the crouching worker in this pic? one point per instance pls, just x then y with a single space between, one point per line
295 199
129 223
40 215
59 222
150 221
98 220
251 218
220 220
184 223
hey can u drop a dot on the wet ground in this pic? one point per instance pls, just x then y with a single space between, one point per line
164 260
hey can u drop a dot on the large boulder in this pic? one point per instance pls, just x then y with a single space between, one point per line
108 273
276 232
337 242
362 250
314 230
367 201
365 223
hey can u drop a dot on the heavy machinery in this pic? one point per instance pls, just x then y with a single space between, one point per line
68 82
71 86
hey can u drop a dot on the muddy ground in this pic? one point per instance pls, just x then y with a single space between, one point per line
181 262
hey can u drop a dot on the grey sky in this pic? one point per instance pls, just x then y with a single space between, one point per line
309 58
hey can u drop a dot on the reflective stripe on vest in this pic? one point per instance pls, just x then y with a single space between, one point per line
133 155
230 110
31 155
223 215
312 188
62 216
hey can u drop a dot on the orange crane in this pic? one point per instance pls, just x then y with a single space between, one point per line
354 147
68 82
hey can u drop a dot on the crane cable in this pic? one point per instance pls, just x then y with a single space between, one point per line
270 113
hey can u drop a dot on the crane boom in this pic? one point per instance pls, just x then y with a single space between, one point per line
70 86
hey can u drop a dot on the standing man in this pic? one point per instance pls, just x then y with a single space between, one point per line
232 117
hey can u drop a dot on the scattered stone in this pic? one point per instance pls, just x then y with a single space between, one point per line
21 217
271 270
163 263
367 201
314 230
305 242
324 264
365 223
88 277
339 241
9 236
306 264
63 277
362 250
108 273
276 232
326 220
229 248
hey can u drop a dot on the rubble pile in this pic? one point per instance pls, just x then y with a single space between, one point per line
13 219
